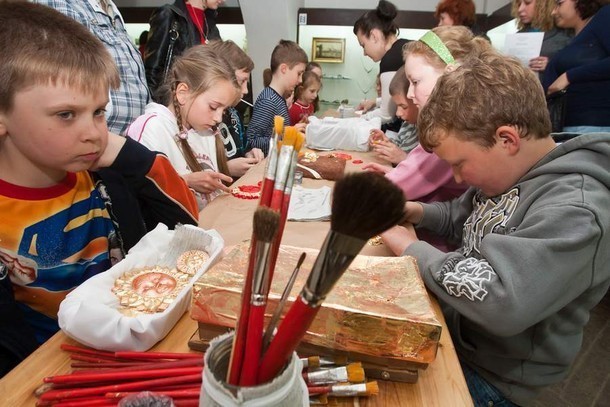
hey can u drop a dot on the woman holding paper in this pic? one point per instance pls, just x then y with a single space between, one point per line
583 66
535 16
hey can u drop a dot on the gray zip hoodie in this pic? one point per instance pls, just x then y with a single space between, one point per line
533 262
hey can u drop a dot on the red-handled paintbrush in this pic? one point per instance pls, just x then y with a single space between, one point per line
364 205
284 162
271 165
280 306
346 390
283 206
265 225
239 340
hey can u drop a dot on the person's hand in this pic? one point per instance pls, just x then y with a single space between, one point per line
110 153
207 182
559 84
389 151
257 154
399 237
376 167
300 127
376 136
240 165
538 64
366 105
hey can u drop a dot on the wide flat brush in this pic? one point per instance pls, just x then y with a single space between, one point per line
364 205
353 373
265 225
346 390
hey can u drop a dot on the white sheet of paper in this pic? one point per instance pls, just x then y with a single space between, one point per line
308 204
524 46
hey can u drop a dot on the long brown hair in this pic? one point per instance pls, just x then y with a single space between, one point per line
200 68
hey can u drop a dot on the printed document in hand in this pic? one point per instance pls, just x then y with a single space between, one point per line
309 204
524 46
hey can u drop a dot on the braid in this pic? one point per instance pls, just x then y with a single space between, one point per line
221 154
186 149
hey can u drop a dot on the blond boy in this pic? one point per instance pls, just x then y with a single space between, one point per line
288 62
60 219
534 228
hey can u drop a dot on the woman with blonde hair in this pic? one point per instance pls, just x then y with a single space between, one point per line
535 16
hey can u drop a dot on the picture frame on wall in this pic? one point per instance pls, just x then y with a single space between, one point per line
330 50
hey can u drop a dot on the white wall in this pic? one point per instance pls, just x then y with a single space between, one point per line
268 21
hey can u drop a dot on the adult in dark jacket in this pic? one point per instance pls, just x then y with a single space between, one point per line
173 29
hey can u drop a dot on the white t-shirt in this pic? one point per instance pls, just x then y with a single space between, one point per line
158 130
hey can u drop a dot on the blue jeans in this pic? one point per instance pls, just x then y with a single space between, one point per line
483 393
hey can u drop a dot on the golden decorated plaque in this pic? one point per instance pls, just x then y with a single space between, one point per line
378 313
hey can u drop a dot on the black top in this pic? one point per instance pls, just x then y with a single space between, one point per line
167 22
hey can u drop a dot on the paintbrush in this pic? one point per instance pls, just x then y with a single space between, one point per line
353 373
265 225
364 205
280 306
271 165
346 390
237 352
284 162
314 362
281 198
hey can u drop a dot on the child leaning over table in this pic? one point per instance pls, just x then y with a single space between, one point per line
396 149
67 187
231 129
288 62
534 228
200 85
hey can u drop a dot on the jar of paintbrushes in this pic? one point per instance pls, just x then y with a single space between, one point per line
288 388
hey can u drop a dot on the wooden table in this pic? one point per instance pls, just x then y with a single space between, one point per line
441 384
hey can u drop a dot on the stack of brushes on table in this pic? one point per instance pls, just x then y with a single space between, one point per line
101 378
363 205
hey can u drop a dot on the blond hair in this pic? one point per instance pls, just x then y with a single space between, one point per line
499 91
200 68
542 19
42 46
459 40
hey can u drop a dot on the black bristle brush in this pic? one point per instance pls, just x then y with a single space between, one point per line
364 205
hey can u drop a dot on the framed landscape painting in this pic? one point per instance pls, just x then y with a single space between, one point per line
328 50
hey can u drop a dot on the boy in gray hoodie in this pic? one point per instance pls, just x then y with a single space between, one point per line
534 229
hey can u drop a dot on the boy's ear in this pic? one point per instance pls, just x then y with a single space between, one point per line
182 93
508 137
283 68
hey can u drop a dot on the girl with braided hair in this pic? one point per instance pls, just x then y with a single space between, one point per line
199 87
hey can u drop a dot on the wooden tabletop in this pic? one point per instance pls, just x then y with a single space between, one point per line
441 384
